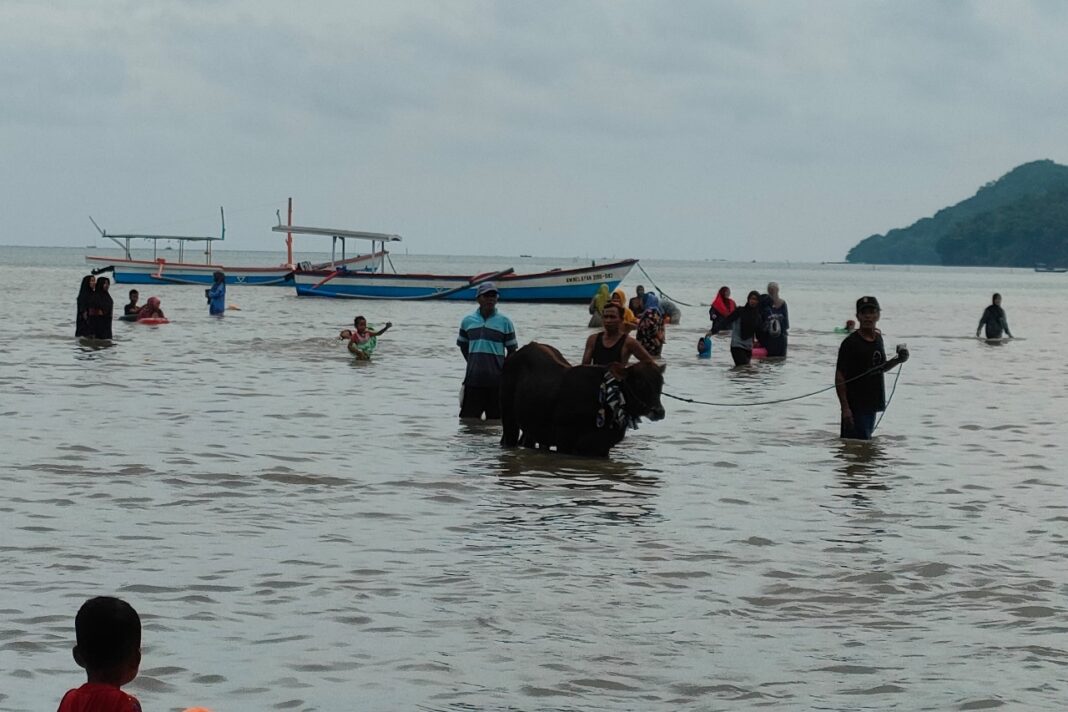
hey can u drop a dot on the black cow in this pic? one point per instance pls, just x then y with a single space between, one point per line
546 402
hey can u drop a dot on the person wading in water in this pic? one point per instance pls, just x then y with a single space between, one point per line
612 345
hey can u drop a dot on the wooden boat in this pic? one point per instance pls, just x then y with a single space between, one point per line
556 285
160 270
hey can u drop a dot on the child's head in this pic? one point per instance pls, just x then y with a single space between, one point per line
133 296
360 323
109 640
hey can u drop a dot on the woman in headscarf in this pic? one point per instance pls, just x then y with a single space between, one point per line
597 306
85 293
650 332
100 310
629 320
722 307
994 320
776 321
217 294
151 310
745 322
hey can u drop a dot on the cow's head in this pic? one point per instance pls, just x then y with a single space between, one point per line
642 383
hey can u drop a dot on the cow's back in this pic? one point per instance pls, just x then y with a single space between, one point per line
530 382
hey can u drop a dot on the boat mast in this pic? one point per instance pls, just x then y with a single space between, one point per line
289 237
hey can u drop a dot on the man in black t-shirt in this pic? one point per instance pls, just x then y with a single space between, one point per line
859 373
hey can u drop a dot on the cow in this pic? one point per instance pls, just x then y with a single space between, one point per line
546 402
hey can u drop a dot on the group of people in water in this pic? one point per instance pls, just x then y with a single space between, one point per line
95 307
645 314
763 321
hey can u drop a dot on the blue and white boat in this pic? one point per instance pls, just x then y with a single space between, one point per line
339 281
166 270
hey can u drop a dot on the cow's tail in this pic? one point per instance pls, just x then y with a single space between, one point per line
509 422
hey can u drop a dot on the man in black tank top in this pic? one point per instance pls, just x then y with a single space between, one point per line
612 345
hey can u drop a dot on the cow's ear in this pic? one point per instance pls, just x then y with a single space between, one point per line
618 370
663 367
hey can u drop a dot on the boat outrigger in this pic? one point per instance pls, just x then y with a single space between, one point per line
160 270
339 281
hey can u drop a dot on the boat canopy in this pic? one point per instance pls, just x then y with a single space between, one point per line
342 235
332 232
155 239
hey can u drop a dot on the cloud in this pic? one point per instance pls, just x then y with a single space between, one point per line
749 130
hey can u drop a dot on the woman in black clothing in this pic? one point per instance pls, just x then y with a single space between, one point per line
994 320
100 310
745 322
85 293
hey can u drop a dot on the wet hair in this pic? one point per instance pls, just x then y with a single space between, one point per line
108 631
613 305
357 320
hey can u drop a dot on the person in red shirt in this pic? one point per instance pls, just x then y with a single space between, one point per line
108 632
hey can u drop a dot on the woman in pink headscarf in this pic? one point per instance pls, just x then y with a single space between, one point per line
151 310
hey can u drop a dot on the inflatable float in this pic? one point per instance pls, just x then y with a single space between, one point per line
153 321
759 352
363 351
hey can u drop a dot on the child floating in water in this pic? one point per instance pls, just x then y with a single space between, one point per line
108 632
362 341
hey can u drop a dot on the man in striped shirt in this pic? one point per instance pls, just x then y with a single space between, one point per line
486 337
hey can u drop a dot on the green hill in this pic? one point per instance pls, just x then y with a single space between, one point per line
1017 220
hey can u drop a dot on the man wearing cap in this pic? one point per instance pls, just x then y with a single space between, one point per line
486 337
858 376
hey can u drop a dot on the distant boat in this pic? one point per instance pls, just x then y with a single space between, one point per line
1043 267
159 270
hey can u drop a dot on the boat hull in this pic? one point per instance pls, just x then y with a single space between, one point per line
572 285
150 272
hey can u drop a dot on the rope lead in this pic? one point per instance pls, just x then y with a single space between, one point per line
792 398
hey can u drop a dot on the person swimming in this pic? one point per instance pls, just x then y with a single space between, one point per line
151 310
362 341
131 309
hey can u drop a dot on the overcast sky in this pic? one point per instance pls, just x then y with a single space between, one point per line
738 130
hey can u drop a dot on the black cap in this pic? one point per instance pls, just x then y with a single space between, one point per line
867 303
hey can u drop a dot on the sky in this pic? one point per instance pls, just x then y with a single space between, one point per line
764 131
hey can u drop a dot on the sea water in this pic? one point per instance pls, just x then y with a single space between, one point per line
300 530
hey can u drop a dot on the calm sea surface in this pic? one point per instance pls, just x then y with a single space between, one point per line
302 531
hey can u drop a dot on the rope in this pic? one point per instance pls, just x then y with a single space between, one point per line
887 407
792 398
657 287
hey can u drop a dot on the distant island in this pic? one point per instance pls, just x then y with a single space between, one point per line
1019 220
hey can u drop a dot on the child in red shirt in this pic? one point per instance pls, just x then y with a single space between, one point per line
108 631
